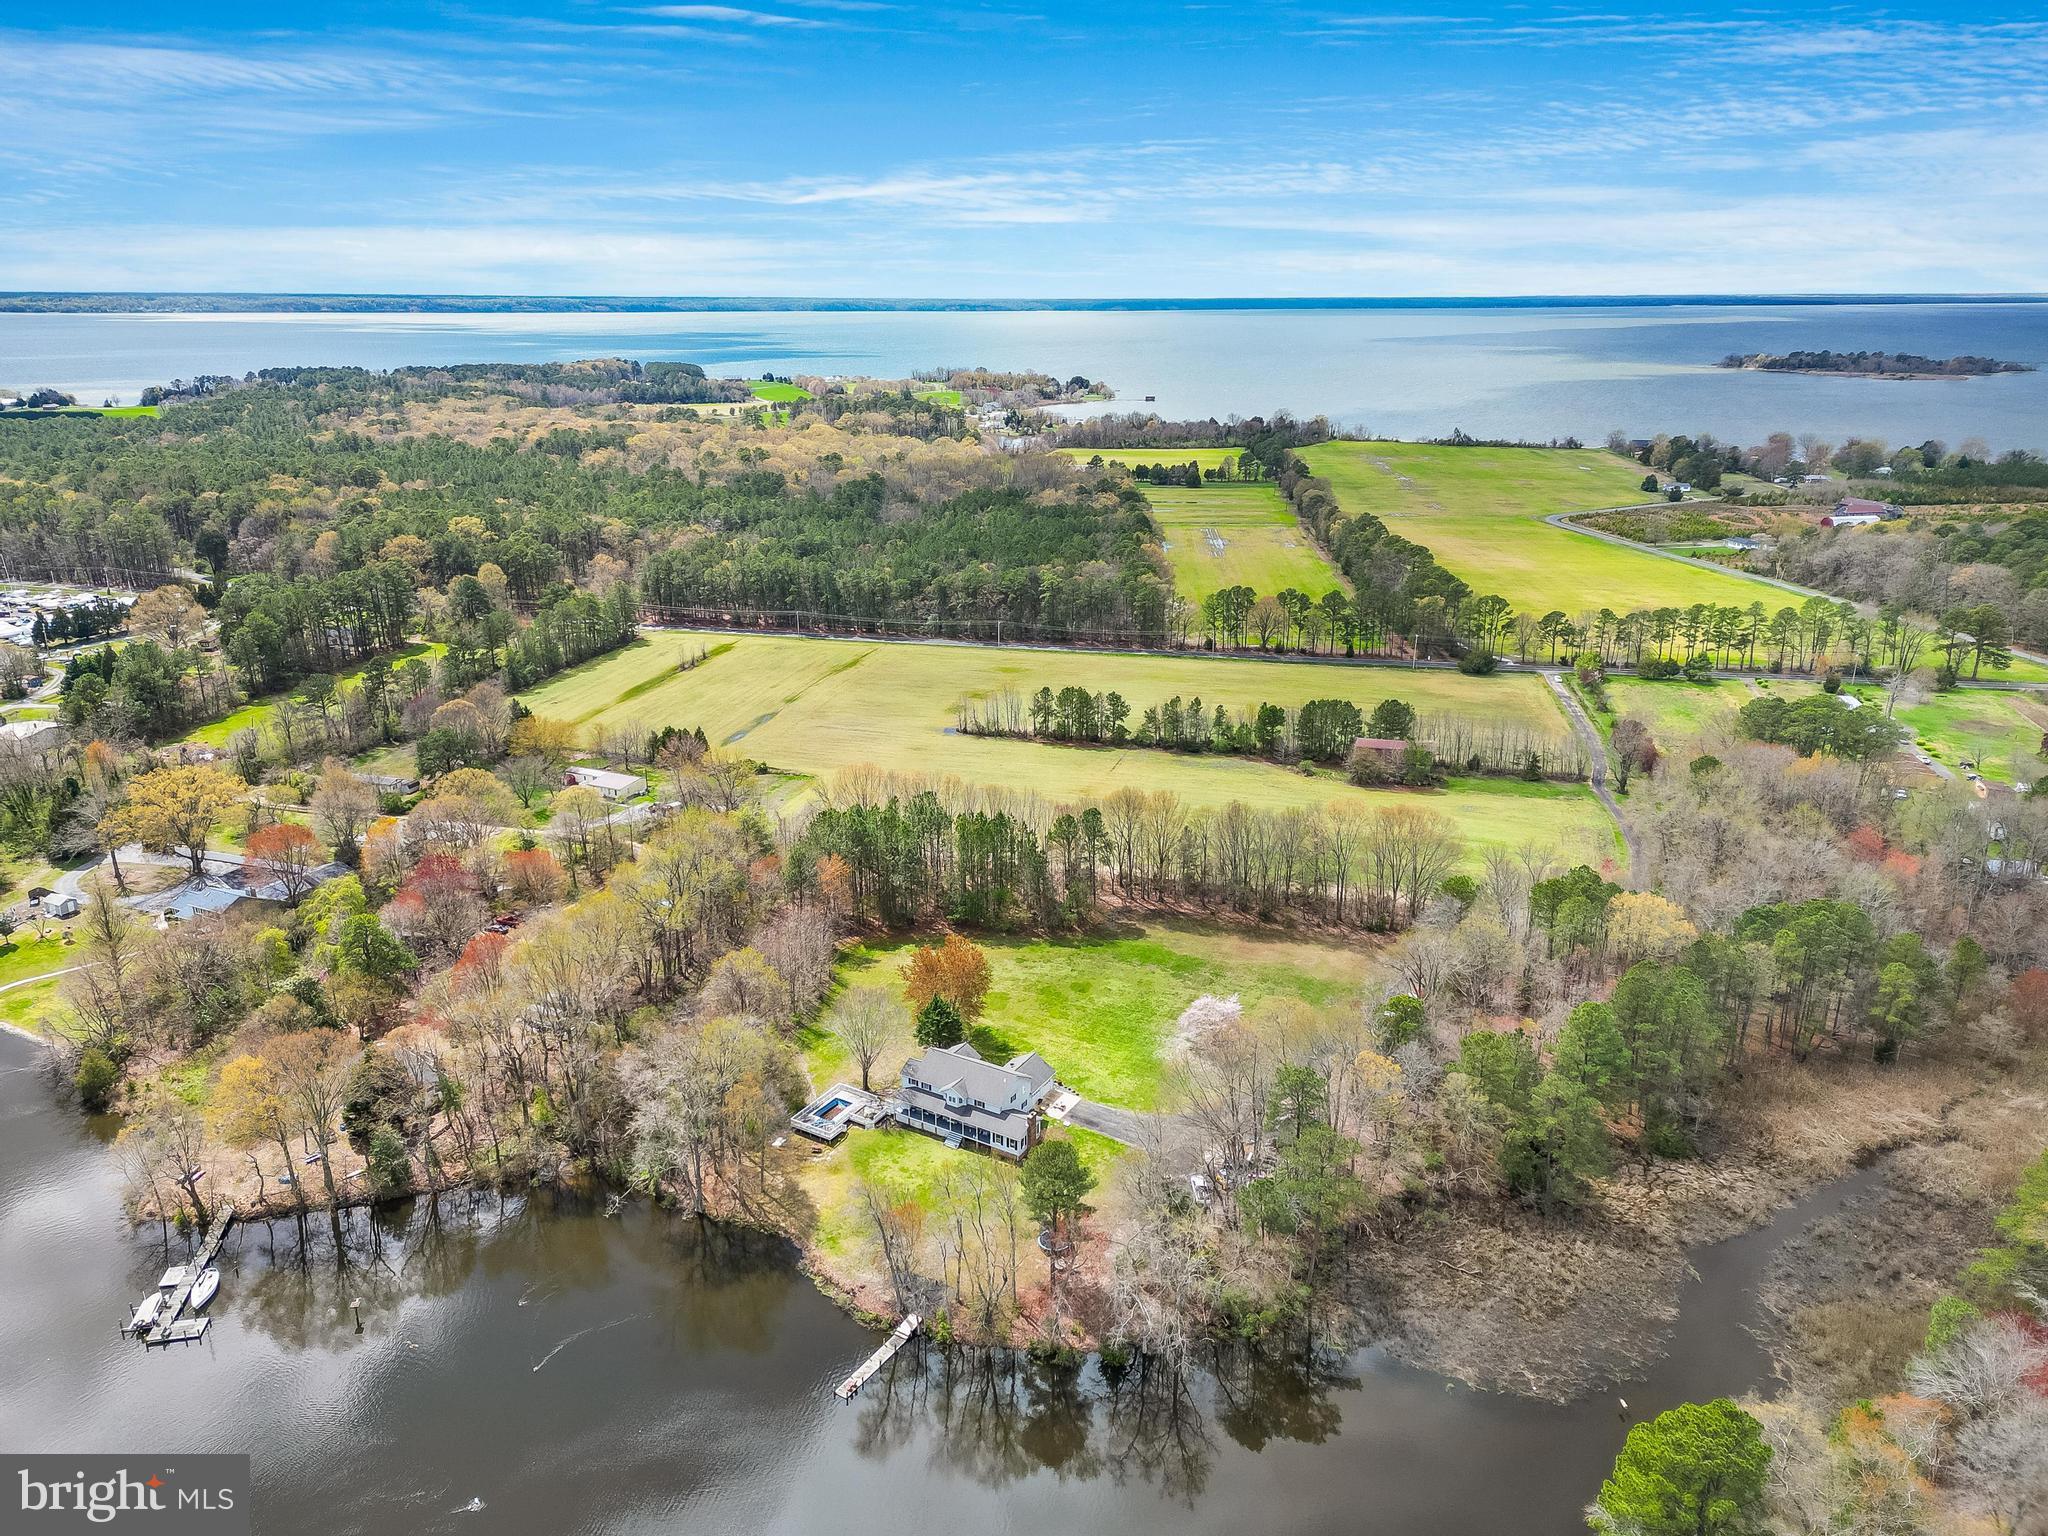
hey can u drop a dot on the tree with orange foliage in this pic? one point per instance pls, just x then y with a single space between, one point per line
534 876
481 964
2027 1001
955 970
285 852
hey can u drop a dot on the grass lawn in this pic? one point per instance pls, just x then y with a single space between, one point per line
1236 535
819 706
23 955
31 1008
1678 711
950 398
778 394
1481 511
256 714
1675 710
1999 732
1101 1009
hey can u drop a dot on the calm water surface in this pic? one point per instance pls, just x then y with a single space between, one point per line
635 1374
1524 373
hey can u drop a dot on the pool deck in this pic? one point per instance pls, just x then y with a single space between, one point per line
839 1108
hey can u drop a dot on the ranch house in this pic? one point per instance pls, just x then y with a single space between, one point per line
613 786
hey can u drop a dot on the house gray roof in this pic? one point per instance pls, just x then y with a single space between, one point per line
961 1067
1033 1067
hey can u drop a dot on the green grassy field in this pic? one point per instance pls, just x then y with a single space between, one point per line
1258 542
778 394
818 706
1207 458
1101 1010
946 397
1677 711
1480 511
1236 535
1999 732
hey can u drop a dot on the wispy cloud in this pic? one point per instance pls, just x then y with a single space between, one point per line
1085 149
733 15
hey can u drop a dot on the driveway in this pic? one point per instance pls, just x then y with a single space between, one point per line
1124 1125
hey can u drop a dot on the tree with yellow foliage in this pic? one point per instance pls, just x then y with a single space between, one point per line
169 614
247 1109
1641 925
175 808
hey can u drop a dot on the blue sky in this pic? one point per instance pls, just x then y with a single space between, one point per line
1048 150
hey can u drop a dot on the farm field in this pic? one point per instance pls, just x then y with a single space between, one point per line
777 394
1236 535
819 706
1481 511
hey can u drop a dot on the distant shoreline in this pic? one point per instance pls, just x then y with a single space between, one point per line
184 303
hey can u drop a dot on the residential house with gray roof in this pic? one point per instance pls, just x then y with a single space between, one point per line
952 1093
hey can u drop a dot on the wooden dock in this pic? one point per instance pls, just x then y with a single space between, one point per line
172 1326
881 1357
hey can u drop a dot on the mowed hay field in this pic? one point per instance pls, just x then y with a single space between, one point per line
818 706
1236 535
1480 511
1240 533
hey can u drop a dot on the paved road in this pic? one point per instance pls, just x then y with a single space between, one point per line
1596 758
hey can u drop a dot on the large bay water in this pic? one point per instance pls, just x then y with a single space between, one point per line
577 1372
1523 372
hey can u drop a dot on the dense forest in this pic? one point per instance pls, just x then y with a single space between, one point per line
335 476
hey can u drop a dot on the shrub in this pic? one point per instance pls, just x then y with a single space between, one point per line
1478 663
95 1079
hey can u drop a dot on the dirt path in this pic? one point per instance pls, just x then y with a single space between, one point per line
1596 763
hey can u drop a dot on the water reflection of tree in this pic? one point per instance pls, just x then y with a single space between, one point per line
1156 1432
727 1285
1262 1397
310 1271
998 1417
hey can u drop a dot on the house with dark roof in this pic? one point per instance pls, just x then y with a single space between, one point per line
1859 511
952 1093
